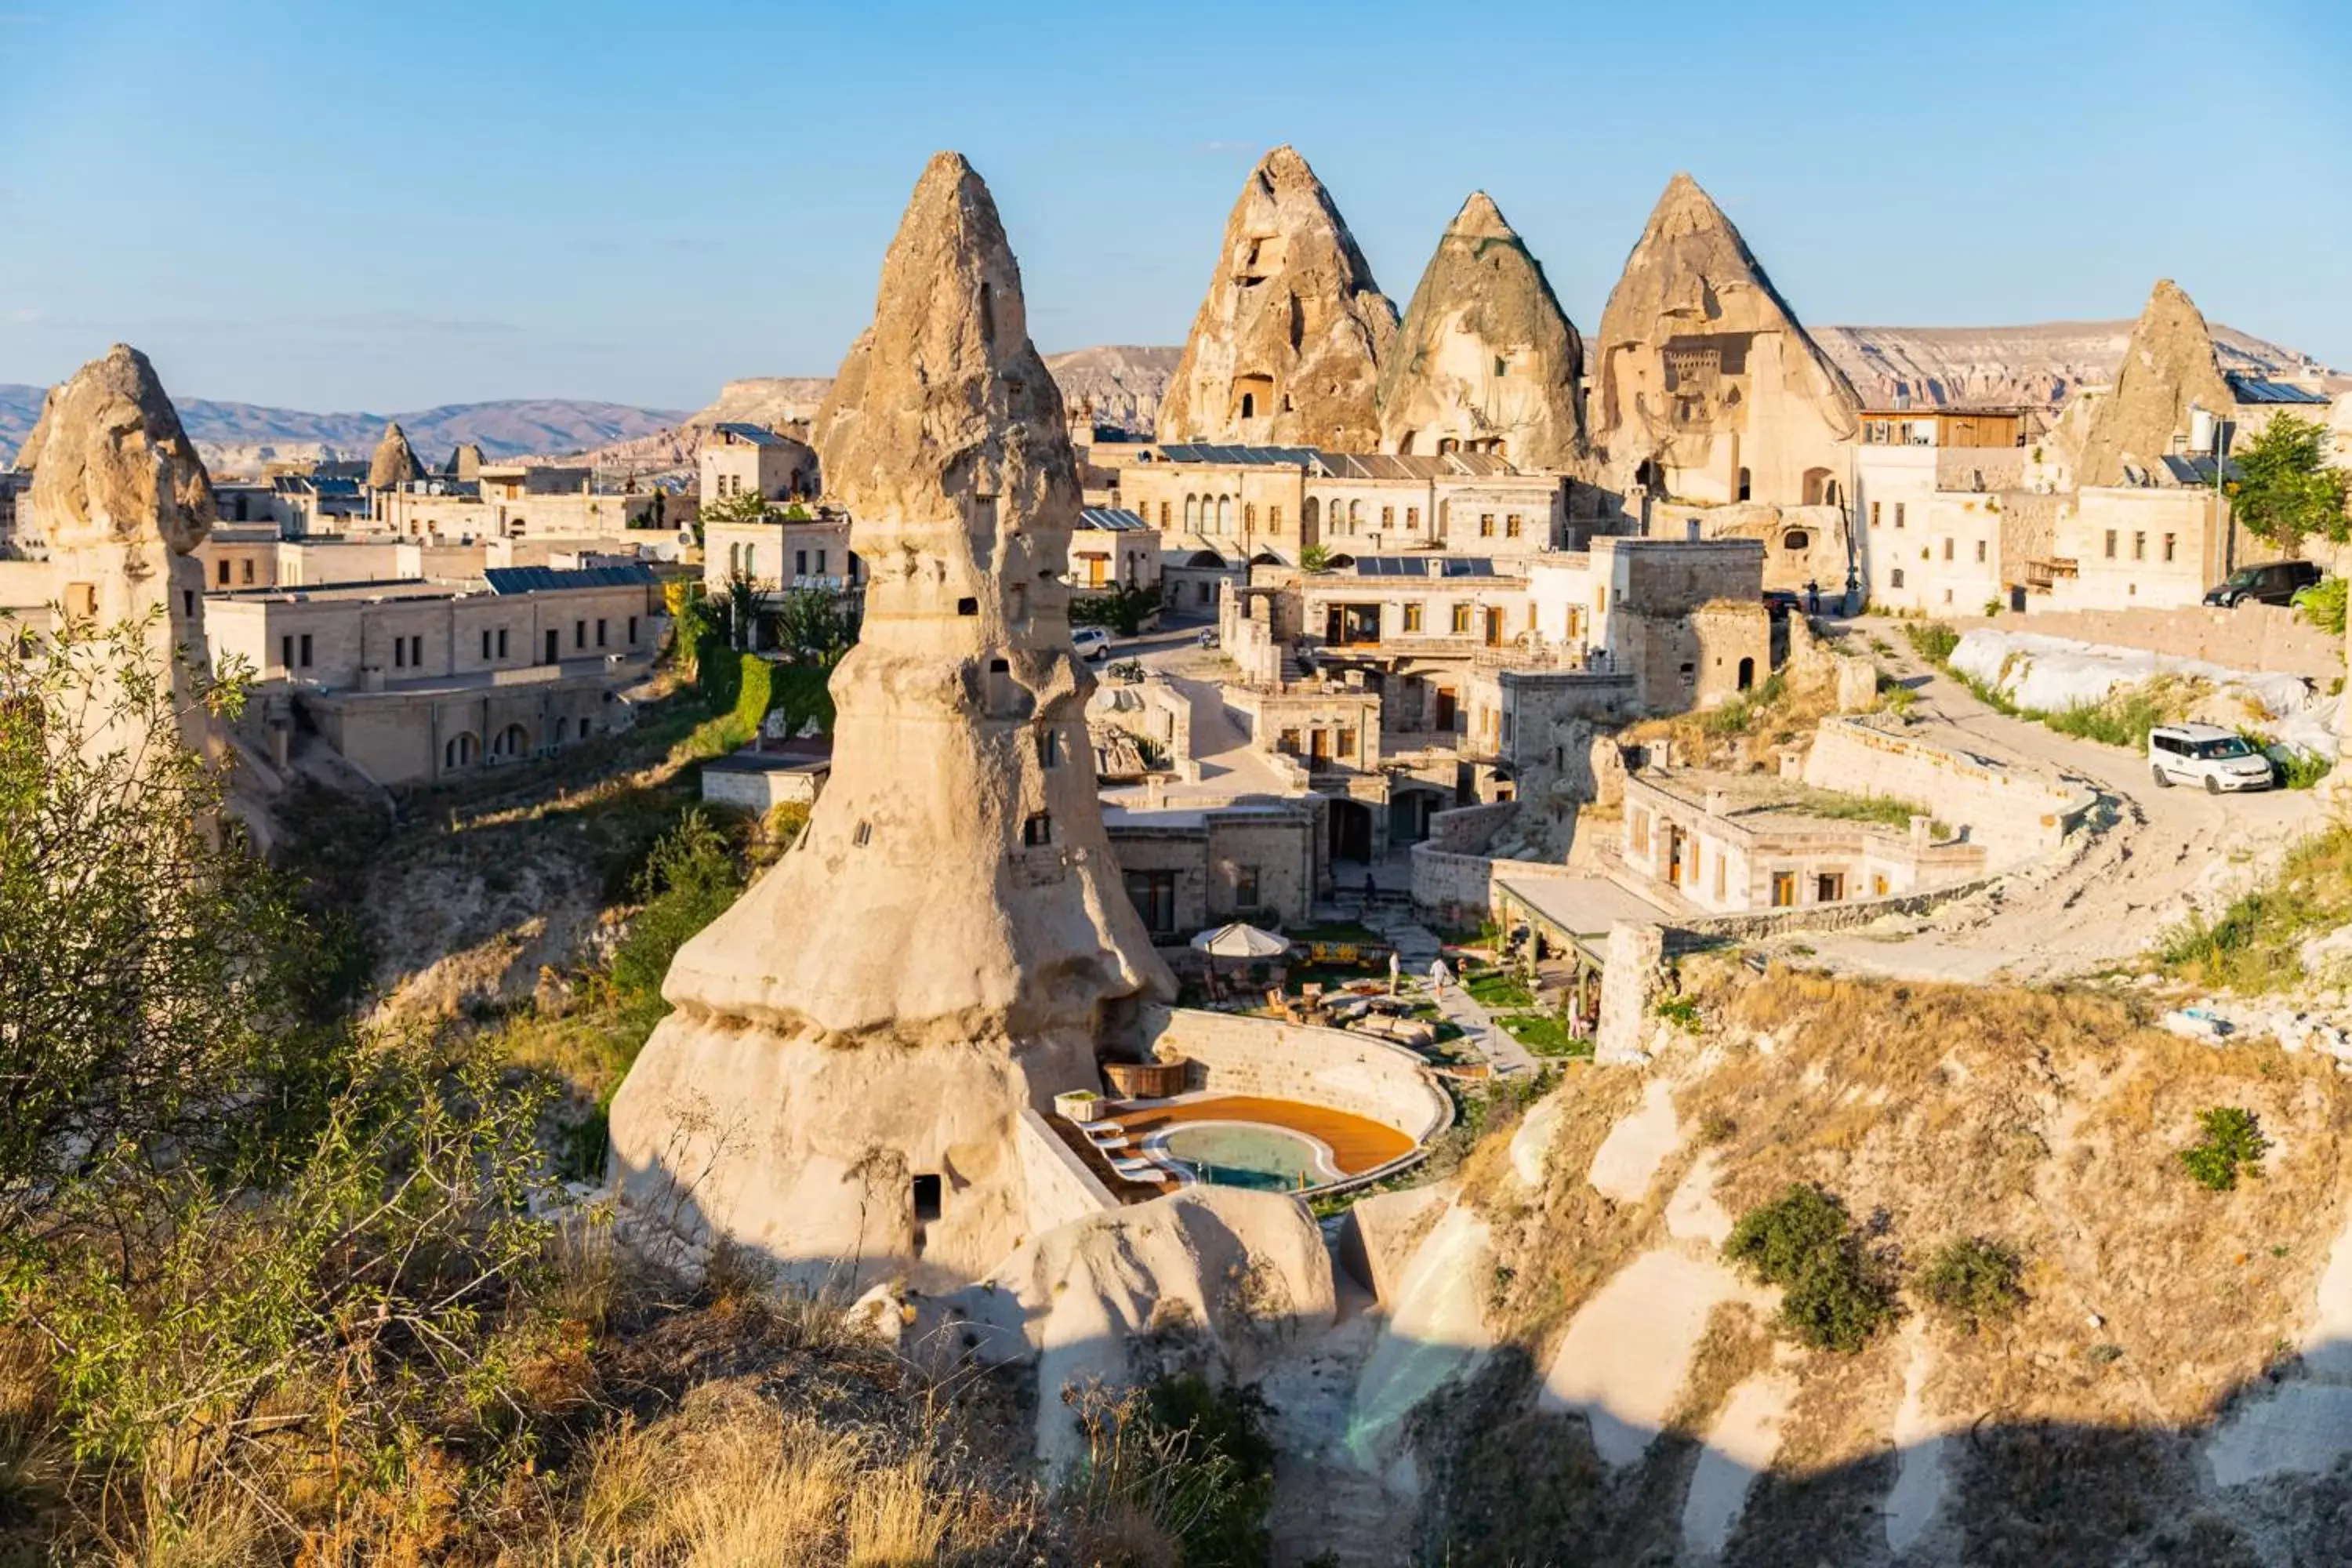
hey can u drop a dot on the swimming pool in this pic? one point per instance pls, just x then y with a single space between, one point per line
1248 1154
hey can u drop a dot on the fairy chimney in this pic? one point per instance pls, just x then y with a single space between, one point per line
2169 366
122 499
944 943
1287 347
1707 387
394 463
1487 360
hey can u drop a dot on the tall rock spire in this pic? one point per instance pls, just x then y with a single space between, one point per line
1288 344
941 947
121 500
394 463
1705 373
2169 365
1485 359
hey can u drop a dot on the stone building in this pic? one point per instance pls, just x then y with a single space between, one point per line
1190 864
1114 548
740 459
1287 346
514 500
1684 618
1804 546
1486 360
858 1041
416 681
1707 387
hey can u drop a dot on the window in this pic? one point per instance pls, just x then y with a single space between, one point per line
1511 526
188 603
820 562
1898 514
1037 831
1412 617
485 642
1461 620
1784 889
863 835
2168 546
1718 873
1641 825
1288 743
929 1198
632 631
1273 518
1153 894
1412 517
2111 545
1873 514
1249 516
1388 517
580 633
600 631
502 642
1049 748
1245 886
286 652
224 573
246 575
1485 525
1344 744
1896 578
800 563
1981 552
306 650
399 653
1947 550
967 606
2140 546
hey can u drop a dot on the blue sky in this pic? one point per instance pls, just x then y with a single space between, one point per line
332 205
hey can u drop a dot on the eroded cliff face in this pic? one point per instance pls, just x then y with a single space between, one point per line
1705 374
1288 345
1485 359
2169 366
856 1037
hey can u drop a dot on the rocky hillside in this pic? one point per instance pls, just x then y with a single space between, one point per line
234 436
2037 365
2004 1321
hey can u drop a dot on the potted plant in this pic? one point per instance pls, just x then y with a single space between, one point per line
1079 1105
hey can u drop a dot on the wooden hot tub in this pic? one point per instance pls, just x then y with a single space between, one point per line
1146 1080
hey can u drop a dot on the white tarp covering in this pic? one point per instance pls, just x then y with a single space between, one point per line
2052 674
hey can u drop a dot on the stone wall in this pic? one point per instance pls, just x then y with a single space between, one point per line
1349 1072
1466 829
1060 1187
1629 987
2265 638
1460 890
2015 816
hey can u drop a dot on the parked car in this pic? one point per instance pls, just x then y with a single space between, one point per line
2218 758
1092 642
1780 603
2271 583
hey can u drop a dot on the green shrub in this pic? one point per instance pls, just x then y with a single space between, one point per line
1933 641
1123 609
2233 1141
689 880
1974 1281
1682 1012
1832 1297
2323 606
1192 1459
2296 768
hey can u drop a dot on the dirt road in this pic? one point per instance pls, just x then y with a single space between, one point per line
2157 854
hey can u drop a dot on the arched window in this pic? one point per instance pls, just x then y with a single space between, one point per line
513 741
1746 674
1745 487
1311 514
1249 405
1796 541
461 749
1224 514
1249 516
1191 514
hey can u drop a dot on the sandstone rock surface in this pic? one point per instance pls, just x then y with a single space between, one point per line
120 499
858 1037
1486 356
2169 366
394 462
1287 347
465 462
1705 374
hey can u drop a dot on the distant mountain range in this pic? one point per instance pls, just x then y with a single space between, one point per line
2041 365
240 437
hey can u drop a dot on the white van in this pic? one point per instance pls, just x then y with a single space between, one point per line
1092 642
2208 754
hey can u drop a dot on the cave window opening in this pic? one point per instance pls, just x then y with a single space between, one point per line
967 606
1037 831
930 1197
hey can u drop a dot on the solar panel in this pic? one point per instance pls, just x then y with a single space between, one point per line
539 579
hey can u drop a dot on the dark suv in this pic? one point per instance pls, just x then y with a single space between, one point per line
2273 583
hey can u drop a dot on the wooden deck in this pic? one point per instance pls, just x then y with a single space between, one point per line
1357 1144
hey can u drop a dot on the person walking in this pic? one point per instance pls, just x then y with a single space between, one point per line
1812 596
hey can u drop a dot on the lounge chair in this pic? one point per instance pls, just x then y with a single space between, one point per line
1139 1170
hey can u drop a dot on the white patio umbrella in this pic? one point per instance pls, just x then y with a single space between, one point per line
1236 941
1239 941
